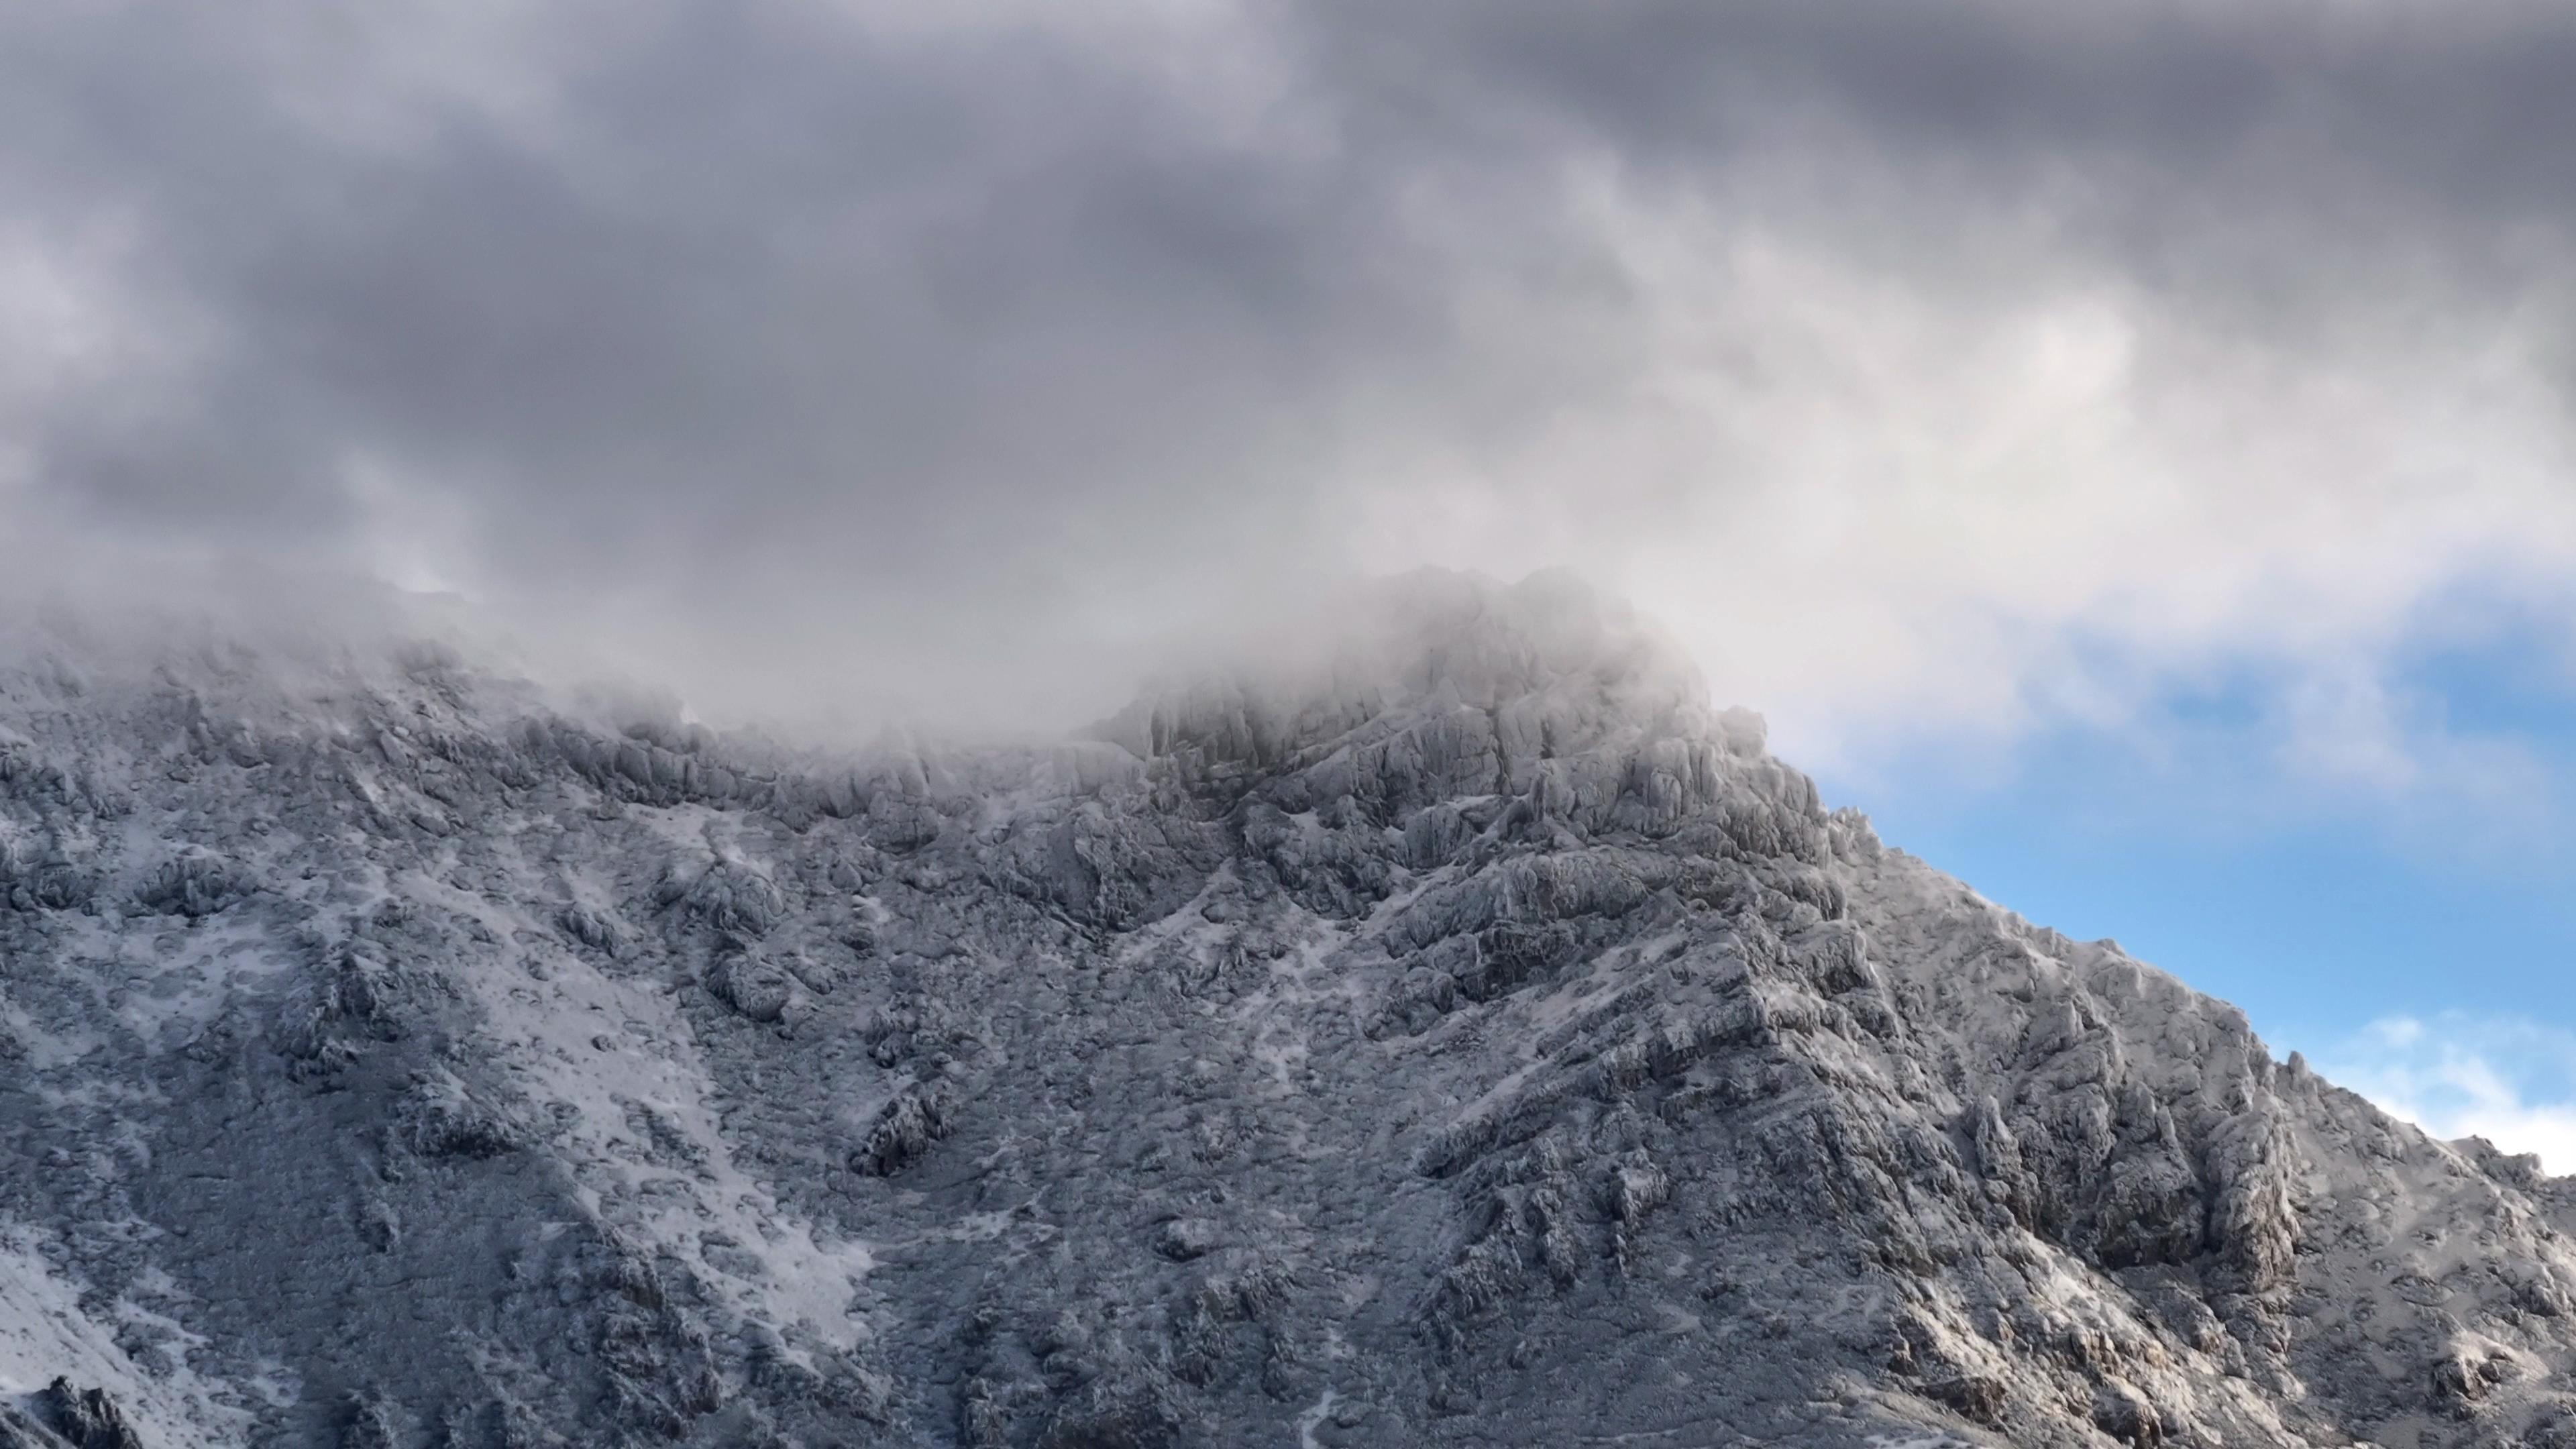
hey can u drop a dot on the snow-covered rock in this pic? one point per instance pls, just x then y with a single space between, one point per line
1454 1032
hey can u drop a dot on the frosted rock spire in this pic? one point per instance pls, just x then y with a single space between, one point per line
1553 664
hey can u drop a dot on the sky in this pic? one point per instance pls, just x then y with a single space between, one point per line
2124 447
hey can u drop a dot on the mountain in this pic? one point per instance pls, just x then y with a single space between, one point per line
1459 1035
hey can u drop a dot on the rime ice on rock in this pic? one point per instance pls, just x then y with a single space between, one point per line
1452 1032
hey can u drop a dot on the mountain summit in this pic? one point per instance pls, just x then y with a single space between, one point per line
1453 1032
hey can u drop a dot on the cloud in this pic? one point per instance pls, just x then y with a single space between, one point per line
1957 370
2510 1081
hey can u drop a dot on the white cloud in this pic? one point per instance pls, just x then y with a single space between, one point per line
2510 1081
1888 512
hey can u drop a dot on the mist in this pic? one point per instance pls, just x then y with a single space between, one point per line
1932 373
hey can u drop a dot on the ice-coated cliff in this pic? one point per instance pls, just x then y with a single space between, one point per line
1458 1035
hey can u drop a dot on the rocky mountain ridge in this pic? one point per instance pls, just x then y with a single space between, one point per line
1467 1037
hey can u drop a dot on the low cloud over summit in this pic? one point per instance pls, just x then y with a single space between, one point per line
1965 368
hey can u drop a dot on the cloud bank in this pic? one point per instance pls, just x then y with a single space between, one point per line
2511 1082
1963 368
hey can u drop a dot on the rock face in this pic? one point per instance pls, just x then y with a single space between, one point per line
1470 1039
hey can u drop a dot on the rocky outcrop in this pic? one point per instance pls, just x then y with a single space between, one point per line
86 1418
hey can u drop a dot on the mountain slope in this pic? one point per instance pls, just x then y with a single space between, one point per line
1468 1037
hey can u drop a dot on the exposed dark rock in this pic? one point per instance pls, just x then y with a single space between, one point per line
88 1418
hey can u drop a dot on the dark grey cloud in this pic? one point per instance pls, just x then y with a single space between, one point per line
2241 157
889 350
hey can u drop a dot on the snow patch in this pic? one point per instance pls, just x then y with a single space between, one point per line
44 1333
1313 1419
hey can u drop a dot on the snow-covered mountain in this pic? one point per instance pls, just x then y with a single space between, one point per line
1467 1036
